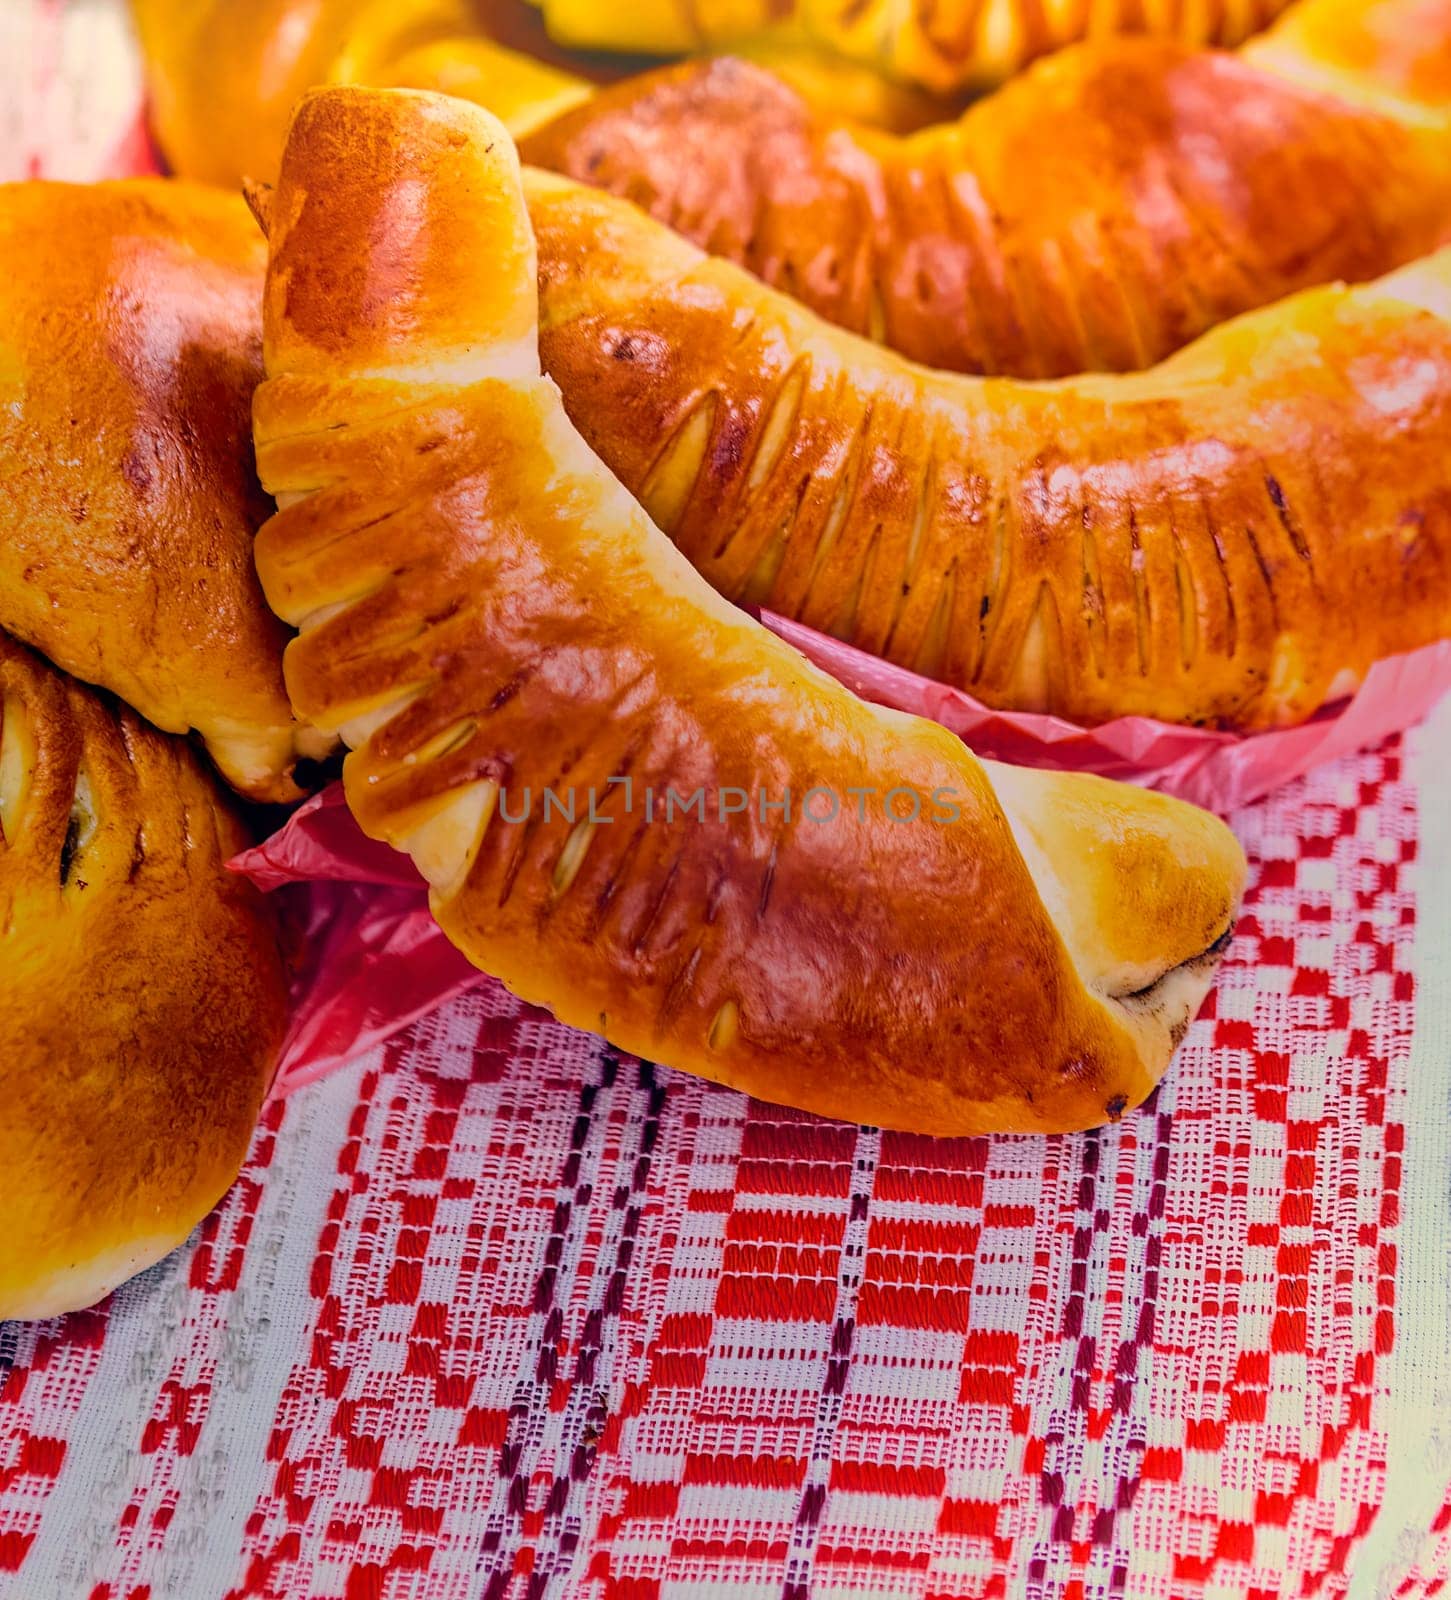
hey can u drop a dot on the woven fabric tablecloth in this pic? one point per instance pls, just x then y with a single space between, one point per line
496 1312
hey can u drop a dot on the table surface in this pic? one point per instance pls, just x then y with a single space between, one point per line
496 1312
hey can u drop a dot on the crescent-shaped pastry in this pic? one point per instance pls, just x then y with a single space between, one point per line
1097 214
142 996
1230 539
129 348
633 804
947 44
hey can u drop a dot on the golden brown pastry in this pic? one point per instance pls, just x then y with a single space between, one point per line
1100 212
824 81
129 348
223 74
1391 50
1231 538
490 620
141 992
943 44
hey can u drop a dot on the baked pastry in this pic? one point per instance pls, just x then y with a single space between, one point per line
945 45
141 992
223 74
826 81
525 92
129 347
1230 539
503 638
1331 43
1098 213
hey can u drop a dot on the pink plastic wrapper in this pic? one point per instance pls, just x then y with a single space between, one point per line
1220 771
370 957
373 959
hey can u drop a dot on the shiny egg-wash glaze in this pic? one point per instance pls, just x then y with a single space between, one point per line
486 614
142 994
1231 538
944 44
1097 214
129 348
223 75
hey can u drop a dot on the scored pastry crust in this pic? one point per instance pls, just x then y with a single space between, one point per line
484 611
223 75
944 44
1100 212
142 995
1231 538
129 347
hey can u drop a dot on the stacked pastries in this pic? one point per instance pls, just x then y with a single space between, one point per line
1111 205
1194 544
488 618
1106 208
142 987
486 613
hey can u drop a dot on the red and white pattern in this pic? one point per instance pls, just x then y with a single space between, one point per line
498 1312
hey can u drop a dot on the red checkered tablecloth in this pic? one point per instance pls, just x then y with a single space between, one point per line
496 1312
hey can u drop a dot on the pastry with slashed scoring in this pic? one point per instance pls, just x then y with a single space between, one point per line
943 44
1097 214
1232 538
489 620
1111 205
223 74
129 348
142 994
